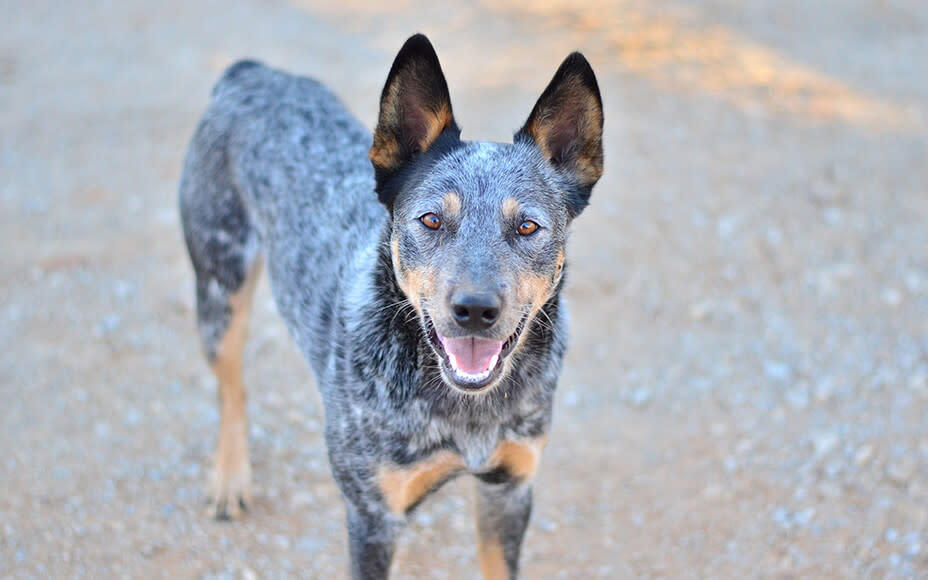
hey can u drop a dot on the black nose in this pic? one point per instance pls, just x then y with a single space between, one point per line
475 311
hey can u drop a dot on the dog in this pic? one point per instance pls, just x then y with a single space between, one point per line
419 274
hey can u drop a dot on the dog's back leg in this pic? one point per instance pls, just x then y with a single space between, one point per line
230 483
223 246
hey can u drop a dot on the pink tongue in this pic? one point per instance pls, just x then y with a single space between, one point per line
472 355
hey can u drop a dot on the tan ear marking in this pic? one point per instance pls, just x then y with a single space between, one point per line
384 153
435 123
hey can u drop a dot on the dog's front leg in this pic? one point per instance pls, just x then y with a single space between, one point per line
372 540
503 510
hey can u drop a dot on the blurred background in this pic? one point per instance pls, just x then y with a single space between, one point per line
746 393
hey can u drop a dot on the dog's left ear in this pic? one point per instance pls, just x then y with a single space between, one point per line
567 126
415 109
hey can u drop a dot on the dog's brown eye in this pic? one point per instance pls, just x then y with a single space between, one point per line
527 228
431 221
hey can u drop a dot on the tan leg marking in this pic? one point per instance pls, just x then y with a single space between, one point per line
519 458
230 484
511 208
402 488
492 558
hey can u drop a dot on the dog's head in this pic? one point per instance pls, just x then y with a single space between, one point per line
479 229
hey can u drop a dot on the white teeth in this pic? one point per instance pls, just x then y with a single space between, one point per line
471 378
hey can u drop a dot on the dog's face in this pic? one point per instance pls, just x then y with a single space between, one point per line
478 248
479 229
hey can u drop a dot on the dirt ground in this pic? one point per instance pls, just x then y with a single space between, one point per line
746 394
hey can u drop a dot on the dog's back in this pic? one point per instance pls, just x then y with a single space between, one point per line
278 162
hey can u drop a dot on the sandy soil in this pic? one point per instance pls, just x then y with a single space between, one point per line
747 389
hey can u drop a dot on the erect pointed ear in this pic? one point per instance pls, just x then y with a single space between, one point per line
415 109
567 126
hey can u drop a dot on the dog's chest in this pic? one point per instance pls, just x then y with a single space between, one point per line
476 449
485 451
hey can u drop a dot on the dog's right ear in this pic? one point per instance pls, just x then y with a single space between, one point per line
415 109
567 126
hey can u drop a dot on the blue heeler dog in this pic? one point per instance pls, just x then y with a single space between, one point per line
429 312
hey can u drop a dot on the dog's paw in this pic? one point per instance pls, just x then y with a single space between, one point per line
229 490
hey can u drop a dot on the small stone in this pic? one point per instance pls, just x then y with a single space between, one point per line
863 455
249 574
782 517
900 472
571 398
891 535
101 429
640 396
824 441
133 416
804 517
107 324
892 297
123 289
302 499
774 236
823 192
828 490
824 390
832 215
425 519
726 226
730 272
777 370
833 469
309 544
798 398
701 310
913 281
730 464
547 526
282 542
712 492
918 383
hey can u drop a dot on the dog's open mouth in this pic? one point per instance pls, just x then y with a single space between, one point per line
472 363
